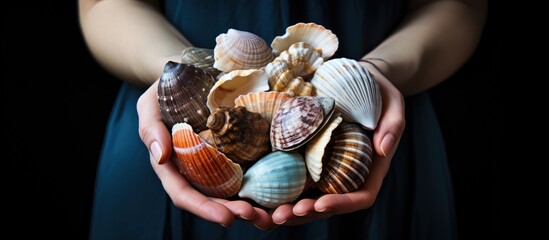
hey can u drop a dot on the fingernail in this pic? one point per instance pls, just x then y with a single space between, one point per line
264 229
322 210
280 223
223 225
156 151
387 144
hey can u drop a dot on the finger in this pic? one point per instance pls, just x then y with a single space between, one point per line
239 208
186 197
391 122
262 219
282 214
304 207
152 130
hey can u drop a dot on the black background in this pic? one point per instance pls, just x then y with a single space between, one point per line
56 100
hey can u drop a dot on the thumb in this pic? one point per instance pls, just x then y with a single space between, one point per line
152 130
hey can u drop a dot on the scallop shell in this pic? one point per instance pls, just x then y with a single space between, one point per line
314 150
182 93
200 57
282 79
241 135
349 158
234 84
264 103
275 179
316 35
241 50
208 170
355 90
298 120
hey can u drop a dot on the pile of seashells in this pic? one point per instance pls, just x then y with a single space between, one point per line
269 122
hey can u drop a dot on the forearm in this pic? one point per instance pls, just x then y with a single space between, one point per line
131 39
432 43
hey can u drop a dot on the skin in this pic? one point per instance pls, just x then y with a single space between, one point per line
433 42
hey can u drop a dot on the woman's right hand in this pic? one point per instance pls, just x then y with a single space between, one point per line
157 138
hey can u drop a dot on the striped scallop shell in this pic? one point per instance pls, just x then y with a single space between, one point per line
264 103
207 169
348 159
355 90
182 93
314 150
298 120
275 179
201 58
240 50
316 35
234 84
239 134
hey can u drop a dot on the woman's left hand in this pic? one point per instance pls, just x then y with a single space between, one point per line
386 137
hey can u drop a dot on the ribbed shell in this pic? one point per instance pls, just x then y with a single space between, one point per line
354 89
234 84
200 57
241 50
207 169
298 120
316 35
182 93
282 79
264 103
348 160
241 135
314 151
302 59
275 179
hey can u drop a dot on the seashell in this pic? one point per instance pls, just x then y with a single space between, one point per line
207 136
275 179
264 103
348 160
316 35
200 57
302 59
314 150
281 79
208 170
182 93
298 120
241 135
355 90
240 50
234 84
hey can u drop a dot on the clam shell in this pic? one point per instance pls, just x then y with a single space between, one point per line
314 150
355 90
241 135
241 50
200 57
234 84
298 120
264 103
208 170
275 179
316 35
182 93
349 158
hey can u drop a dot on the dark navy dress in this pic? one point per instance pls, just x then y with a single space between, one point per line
415 201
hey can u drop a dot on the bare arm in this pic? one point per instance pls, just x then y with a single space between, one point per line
129 38
433 42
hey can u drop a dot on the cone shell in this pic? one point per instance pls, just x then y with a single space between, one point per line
208 170
356 92
241 50
234 84
277 178
298 120
316 35
348 160
201 58
264 103
241 135
182 93
314 152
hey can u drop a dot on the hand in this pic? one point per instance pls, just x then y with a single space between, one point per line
157 138
386 137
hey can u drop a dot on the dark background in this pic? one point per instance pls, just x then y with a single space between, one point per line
56 100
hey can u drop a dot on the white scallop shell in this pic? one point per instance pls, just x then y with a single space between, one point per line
241 50
277 178
355 90
316 35
314 150
234 84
